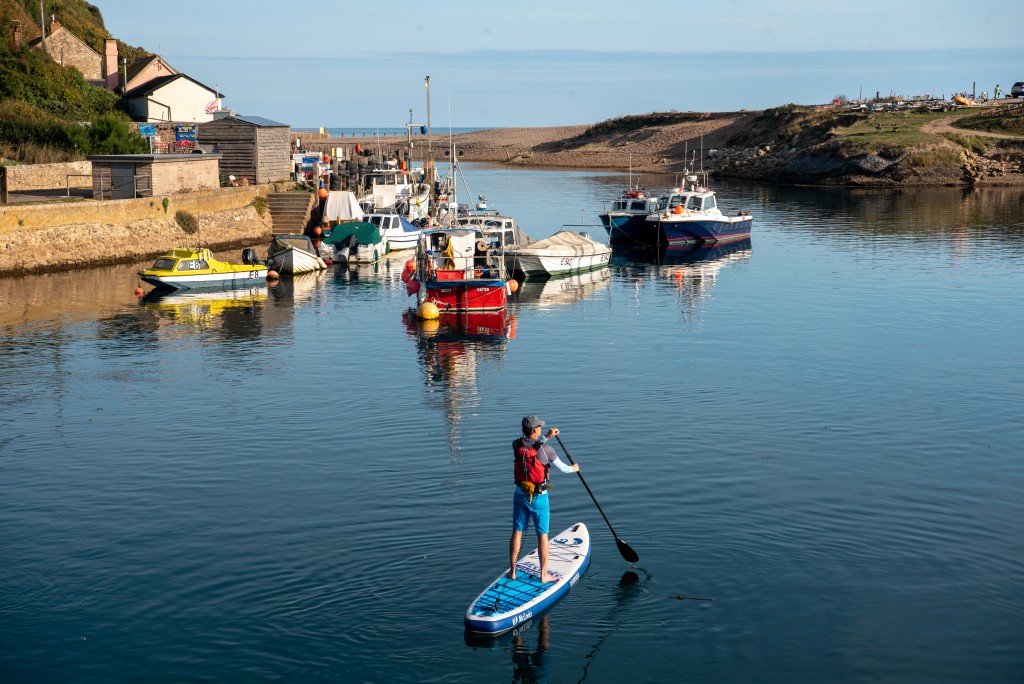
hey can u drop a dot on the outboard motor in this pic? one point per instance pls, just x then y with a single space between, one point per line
347 248
249 256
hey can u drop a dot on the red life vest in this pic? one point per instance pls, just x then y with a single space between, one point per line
528 467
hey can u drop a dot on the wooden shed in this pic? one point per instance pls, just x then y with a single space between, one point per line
251 147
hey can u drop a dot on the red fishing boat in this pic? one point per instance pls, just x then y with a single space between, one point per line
457 269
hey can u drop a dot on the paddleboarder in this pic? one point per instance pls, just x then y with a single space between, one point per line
533 461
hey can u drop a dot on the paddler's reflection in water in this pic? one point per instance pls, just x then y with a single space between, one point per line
527 666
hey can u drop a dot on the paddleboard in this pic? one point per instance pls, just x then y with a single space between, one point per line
506 603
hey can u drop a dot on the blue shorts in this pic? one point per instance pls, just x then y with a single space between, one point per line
523 511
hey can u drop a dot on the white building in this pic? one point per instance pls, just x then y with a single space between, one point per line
172 98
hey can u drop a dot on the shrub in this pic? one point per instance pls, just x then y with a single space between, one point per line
187 221
260 205
110 134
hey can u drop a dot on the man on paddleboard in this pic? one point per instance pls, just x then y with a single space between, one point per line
533 460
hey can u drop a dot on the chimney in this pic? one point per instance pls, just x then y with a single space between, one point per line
17 36
110 71
53 27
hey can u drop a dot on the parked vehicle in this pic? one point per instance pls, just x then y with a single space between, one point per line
1017 89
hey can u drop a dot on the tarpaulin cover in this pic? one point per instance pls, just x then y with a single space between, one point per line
341 205
366 233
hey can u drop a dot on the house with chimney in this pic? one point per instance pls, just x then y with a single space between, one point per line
67 49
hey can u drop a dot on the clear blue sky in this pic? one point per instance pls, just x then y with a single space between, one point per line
532 63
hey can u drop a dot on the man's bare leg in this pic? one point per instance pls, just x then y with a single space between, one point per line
542 549
513 552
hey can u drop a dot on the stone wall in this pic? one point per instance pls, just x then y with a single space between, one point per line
49 176
66 235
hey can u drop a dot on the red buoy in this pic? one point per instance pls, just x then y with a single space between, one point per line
139 292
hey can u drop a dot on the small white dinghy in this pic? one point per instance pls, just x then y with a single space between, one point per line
563 253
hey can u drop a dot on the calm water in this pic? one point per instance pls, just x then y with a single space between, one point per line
820 431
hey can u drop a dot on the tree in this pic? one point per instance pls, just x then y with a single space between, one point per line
110 134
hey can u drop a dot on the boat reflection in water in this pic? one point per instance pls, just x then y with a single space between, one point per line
298 289
692 270
562 291
452 348
236 312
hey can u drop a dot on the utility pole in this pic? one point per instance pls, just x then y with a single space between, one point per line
42 21
429 164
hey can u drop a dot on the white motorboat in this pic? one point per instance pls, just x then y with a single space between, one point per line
292 254
563 253
395 230
356 242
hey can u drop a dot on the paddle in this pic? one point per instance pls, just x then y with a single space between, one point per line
625 549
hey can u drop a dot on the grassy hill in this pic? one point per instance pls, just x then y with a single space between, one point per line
43 105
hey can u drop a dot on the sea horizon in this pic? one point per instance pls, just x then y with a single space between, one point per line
540 88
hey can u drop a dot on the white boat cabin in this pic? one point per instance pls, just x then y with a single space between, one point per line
689 200
500 232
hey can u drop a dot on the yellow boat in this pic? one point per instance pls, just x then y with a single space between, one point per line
185 268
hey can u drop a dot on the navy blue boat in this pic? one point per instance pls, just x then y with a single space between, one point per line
626 221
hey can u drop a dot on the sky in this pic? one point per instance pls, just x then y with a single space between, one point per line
533 63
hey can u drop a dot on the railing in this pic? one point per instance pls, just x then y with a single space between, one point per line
142 186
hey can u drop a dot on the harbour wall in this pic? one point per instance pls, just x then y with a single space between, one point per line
57 236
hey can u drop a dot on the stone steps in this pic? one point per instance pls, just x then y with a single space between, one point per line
290 211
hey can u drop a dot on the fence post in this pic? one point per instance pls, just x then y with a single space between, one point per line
3 185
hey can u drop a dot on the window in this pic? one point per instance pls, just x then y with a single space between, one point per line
192 265
164 264
694 203
639 205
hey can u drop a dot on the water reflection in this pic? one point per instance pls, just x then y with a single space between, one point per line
531 665
983 213
233 313
529 656
692 271
297 290
452 348
563 291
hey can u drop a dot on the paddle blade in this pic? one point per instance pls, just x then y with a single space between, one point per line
627 551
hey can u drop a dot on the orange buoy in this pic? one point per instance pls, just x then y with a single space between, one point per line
272 275
679 210
410 264
318 231
139 292
322 193
427 310
407 275
513 285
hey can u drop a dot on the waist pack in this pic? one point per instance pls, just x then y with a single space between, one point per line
532 488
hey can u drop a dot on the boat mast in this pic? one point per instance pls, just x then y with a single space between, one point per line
428 164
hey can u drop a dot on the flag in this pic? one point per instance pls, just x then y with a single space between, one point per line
211 107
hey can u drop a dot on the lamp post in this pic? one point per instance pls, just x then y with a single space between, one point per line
429 163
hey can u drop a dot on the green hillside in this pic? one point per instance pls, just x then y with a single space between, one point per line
44 106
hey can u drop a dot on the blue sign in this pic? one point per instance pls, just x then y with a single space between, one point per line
147 129
185 132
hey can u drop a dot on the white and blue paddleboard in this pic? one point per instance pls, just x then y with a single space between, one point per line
507 603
